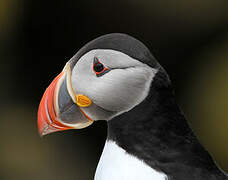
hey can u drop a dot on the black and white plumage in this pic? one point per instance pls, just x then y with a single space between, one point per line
148 135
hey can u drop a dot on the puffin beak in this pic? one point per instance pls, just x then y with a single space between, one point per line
60 108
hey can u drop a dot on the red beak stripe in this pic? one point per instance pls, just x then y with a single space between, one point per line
47 117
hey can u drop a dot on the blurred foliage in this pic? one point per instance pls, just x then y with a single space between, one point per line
189 38
208 99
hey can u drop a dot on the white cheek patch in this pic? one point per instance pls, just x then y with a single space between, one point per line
122 89
126 85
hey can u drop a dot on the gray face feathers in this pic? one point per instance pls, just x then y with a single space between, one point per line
125 84
129 71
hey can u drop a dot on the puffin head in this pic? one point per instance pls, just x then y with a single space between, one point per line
109 76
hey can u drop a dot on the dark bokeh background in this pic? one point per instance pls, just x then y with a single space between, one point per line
37 38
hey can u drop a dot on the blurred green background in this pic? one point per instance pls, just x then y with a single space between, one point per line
37 38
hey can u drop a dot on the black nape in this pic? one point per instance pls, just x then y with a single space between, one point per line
157 132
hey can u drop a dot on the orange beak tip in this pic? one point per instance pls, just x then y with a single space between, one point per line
46 112
49 118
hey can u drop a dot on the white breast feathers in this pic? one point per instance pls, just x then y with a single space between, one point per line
116 164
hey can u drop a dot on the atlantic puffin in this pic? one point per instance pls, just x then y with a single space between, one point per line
116 78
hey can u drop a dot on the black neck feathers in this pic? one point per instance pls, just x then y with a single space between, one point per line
157 132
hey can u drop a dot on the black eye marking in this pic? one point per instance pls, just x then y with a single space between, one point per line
99 68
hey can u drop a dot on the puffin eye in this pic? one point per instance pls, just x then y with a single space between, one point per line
99 68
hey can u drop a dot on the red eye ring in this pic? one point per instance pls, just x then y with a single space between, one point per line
98 68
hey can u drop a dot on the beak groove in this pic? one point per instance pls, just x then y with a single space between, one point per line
47 122
49 113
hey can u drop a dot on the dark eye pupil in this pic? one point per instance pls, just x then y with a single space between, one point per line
98 67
